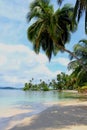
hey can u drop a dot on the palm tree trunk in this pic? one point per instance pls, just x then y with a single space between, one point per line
80 62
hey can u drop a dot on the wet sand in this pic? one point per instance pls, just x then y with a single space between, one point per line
12 112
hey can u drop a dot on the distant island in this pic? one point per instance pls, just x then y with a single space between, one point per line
10 88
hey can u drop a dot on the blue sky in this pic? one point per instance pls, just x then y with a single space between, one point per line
18 62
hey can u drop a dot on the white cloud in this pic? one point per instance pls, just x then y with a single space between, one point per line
19 64
2 60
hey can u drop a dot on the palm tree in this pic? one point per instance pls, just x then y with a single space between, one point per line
80 7
80 50
51 30
64 81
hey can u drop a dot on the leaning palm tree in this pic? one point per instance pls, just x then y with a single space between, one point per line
51 30
80 75
80 50
80 7
50 27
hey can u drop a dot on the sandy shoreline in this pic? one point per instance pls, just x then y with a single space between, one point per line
68 115
12 112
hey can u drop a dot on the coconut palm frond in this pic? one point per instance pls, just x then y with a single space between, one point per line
51 30
32 31
59 2
73 65
80 50
86 20
83 41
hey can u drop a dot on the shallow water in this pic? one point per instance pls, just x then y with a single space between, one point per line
20 97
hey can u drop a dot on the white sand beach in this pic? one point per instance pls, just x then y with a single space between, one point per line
68 115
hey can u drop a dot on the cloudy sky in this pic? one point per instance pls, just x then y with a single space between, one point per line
18 62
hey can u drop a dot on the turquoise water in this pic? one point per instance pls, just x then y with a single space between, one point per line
12 97
22 99
15 97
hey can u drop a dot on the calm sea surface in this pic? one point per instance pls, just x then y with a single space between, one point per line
20 97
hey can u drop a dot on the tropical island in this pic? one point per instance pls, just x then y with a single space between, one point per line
62 82
49 31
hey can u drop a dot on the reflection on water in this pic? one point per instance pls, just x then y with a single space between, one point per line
14 97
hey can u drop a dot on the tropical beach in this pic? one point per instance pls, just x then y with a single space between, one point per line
63 116
48 111
43 65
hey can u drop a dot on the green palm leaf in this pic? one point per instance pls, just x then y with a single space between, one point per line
80 50
79 8
51 30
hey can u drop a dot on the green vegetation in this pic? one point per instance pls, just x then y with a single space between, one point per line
50 32
82 89
79 9
51 29
62 82
36 87
80 49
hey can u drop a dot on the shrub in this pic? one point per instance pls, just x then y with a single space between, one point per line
83 89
